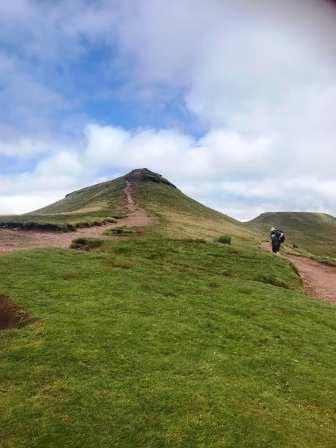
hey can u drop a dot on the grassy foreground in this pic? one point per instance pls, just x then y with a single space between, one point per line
162 343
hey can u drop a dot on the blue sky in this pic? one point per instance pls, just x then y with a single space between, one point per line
232 101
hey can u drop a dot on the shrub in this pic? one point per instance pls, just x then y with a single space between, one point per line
83 224
119 231
224 239
110 220
86 244
50 227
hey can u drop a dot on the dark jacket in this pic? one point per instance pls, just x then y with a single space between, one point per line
277 238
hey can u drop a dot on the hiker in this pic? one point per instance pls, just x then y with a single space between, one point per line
277 238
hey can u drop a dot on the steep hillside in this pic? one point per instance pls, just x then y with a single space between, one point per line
311 232
83 207
102 197
181 216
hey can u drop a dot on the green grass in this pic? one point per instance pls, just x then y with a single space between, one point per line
83 208
180 216
103 196
161 343
55 223
325 260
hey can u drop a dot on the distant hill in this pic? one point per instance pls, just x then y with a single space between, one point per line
311 232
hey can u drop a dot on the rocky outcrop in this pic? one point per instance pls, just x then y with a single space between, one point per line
145 175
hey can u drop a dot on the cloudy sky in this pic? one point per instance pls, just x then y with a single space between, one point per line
234 101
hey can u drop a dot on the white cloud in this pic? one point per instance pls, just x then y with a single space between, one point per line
234 173
259 76
23 148
9 205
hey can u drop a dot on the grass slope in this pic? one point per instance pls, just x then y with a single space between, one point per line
184 217
178 214
90 204
161 343
310 232
102 196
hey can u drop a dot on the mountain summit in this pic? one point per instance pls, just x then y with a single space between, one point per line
145 175
106 197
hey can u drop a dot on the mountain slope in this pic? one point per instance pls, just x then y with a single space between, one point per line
179 215
157 341
102 197
182 216
311 232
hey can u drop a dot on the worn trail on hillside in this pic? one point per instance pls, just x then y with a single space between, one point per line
319 279
137 216
11 240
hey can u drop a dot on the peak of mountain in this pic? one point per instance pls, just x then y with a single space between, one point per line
145 175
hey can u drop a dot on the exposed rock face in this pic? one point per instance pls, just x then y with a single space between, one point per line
144 175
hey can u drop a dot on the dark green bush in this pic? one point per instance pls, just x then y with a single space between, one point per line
110 220
50 227
225 239
120 231
86 244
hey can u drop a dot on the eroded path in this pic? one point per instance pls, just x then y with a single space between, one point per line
22 239
129 193
319 279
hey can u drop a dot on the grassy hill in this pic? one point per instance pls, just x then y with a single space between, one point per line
165 343
83 207
103 197
177 213
166 340
181 216
310 232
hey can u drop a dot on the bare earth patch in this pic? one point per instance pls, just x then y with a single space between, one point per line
12 316
25 239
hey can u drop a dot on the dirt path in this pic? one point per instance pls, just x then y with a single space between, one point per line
130 201
22 239
319 279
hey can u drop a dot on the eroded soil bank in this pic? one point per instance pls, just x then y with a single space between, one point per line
12 316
